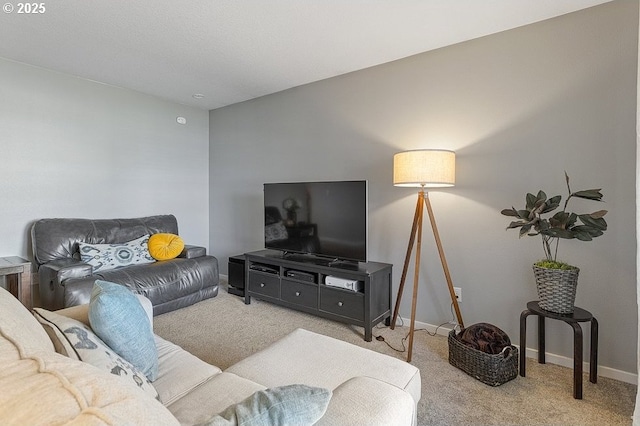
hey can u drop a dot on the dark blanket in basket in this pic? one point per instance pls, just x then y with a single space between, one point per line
484 337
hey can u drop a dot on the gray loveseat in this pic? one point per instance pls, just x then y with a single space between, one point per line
67 281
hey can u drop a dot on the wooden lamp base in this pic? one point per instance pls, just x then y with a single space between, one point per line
416 231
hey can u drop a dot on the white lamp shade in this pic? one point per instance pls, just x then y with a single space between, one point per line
432 168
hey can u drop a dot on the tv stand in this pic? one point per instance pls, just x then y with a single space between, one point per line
333 262
300 283
344 264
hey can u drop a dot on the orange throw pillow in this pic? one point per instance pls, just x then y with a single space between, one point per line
165 246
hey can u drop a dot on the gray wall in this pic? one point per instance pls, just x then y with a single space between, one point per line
519 108
76 148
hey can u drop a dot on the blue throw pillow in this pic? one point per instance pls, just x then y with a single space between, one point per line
118 318
298 405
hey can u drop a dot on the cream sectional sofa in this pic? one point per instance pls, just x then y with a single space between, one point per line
40 386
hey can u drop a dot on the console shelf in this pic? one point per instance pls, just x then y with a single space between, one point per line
301 284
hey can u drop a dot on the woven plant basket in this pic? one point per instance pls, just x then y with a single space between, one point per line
492 370
556 289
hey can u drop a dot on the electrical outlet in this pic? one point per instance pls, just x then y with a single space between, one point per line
458 292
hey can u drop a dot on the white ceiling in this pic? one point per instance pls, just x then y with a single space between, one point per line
234 50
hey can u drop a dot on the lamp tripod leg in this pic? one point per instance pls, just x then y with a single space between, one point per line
407 259
416 276
416 231
443 260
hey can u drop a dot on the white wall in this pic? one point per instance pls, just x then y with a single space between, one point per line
76 148
519 108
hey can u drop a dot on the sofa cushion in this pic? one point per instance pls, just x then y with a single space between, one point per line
58 238
286 405
48 388
199 405
333 360
118 318
179 371
164 246
169 285
17 323
111 256
359 400
79 342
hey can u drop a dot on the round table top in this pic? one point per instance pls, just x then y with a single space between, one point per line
578 314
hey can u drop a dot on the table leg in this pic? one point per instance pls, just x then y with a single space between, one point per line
24 287
593 354
523 340
541 340
577 360
13 286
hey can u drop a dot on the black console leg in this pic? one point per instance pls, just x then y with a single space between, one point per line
247 299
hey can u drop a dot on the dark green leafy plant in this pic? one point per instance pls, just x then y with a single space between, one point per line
562 224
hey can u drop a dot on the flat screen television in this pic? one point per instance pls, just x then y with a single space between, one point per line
325 219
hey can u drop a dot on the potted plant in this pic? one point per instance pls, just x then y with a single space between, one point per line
556 281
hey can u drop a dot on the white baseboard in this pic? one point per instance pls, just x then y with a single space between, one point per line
442 330
611 373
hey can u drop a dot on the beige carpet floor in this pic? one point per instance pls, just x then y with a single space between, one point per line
224 330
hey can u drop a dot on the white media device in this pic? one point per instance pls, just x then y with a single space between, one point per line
353 285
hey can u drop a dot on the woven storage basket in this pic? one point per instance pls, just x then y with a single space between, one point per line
556 289
492 370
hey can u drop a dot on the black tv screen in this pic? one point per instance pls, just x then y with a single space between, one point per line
320 218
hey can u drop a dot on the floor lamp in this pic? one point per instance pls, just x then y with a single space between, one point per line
428 168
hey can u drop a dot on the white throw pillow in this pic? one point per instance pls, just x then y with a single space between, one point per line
104 257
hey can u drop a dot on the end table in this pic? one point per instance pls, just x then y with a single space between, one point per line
18 271
579 315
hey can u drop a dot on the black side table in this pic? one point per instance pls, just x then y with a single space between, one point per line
578 315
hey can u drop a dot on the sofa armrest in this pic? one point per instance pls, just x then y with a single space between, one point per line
365 401
52 276
78 292
60 270
189 252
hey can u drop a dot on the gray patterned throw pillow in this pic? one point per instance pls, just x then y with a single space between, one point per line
111 256
79 342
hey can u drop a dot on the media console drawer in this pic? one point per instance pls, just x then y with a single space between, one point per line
342 302
299 293
265 284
